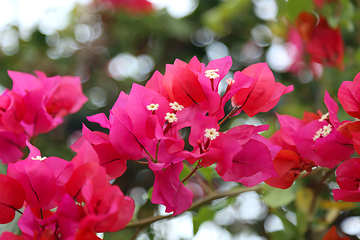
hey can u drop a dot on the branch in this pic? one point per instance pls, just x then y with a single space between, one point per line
213 196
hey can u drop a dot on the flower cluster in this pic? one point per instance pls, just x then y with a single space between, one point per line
321 140
74 199
61 198
35 105
146 123
312 35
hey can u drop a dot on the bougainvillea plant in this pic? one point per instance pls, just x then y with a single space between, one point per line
61 199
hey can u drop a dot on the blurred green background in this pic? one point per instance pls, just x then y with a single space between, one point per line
110 48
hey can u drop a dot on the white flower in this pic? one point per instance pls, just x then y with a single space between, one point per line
212 73
211 133
177 107
323 117
152 107
323 132
171 117
39 158
230 81
326 130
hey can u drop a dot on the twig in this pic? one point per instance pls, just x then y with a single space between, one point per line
213 196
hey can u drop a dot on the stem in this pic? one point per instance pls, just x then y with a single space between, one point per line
316 193
213 196
191 173
152 159
233 111
157 149
203 183
317 190
19 211
146 163
138 230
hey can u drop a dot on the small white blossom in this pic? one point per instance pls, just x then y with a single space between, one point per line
177 107
324 117
317 134
39 158
323 132
326 130
211 133
230 81
152 107
212 73
171 117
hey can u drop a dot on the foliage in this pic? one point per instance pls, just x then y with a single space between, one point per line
192 155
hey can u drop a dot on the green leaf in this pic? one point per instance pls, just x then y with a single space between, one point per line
276 197
290 231
208 173
149 193
301 222
185 172
3 169
205 213
292 8
217 17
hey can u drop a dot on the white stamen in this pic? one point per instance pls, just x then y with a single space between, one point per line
212 73
171 117
152 107
324 117
323 132
318 134
326 130
230 81
211 133
39 158
177 107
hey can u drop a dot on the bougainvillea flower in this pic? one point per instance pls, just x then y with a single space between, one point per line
210 145
37 179
12 197
320 142
86 234
89 171
156 83
122 136
324 44
96 147
288 126
12 110
133 6
182 85
10 236
251 167
137 108
168 189
32 171
68 216
349 96
47 99
287 166
11 145
347 176
36 226
107 211
333 235
263 94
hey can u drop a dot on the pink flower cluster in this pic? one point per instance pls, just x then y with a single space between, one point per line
35 105
74 200
322 140
62 200
146 123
